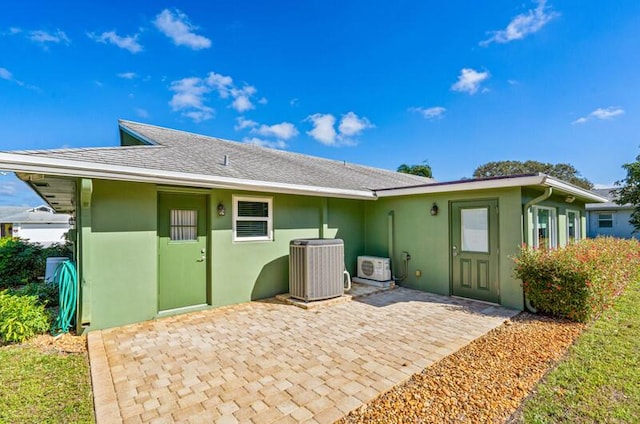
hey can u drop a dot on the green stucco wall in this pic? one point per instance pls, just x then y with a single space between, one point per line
426 238
118 240
118 253
118 264
243 271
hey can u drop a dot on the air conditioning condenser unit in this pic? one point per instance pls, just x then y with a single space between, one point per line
316 269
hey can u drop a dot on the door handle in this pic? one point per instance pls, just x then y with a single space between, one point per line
202 258
455 251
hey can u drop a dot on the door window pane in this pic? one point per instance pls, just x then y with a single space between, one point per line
573 226
184 225
544 227
475 230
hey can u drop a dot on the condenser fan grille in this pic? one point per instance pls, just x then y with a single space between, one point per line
367 268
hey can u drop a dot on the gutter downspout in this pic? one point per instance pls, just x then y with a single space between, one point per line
390 235
544 196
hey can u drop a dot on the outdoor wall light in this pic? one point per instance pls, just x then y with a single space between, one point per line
221 210
434 210
570 199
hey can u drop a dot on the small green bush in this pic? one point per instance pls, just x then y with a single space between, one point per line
21 317
581 280
23 262
47 294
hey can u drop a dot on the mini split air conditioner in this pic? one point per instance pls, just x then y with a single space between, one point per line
374 268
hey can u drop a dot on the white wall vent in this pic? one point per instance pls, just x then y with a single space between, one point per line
316 269
374 268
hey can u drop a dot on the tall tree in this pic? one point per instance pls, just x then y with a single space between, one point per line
563 171
629 191
423 170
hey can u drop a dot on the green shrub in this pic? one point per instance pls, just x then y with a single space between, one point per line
47 294
23 262
21 317
581 280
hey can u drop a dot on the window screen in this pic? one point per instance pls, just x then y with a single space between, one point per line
605 220
184 225
252 219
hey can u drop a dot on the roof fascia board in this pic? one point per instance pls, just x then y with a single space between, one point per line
529 180
600 207
463 186
61 167
573 190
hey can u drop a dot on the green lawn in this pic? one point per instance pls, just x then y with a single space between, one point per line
599 381
37 387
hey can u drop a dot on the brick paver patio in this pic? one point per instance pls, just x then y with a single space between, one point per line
268 362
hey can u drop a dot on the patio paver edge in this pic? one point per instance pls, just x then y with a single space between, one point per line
105 402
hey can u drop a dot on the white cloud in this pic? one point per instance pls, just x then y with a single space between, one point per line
469 81
522 25
244 123
176 25
192 92
43 37
220 83
127 42
324 128
142 113
242 104
607 113
8 188
14 30
5 74
282 131
189 98
294 102
352 125
203 114
601 113
263 101
431 113
226 88
278 144
127 75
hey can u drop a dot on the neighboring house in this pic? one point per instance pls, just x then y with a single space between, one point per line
39 225
172 221
610 218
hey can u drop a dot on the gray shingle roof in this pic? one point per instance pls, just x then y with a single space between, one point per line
23 214
198 154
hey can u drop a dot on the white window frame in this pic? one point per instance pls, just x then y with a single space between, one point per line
599 220
577 224
553 223
268 219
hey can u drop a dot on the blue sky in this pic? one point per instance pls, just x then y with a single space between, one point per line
451 83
